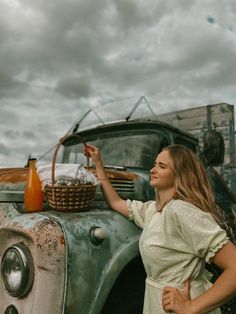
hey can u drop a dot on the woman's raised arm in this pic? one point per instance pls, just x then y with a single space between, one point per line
110 194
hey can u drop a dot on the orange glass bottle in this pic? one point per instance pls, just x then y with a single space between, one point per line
33 194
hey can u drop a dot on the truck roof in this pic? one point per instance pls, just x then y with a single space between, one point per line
140 123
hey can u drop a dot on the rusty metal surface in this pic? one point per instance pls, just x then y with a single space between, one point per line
45 240
13 175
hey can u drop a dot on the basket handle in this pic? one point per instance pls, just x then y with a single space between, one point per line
61 141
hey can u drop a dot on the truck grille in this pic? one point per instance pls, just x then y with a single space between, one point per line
124 186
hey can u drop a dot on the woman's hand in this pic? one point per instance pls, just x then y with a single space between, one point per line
93 152
177 301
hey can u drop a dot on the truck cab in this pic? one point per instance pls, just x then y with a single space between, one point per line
88 262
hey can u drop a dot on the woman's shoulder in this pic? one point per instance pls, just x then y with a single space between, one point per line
183 211
178 203
178 206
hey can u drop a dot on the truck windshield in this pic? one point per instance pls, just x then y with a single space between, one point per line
136 150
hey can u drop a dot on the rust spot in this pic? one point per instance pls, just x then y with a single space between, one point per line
47 235
62 239
42 267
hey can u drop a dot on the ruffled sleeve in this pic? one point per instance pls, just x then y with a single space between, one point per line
199 230
139 211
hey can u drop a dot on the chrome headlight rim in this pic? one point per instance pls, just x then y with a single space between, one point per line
27 270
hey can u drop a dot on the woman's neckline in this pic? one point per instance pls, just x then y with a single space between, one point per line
160 209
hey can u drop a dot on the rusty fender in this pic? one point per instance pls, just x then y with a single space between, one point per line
45 240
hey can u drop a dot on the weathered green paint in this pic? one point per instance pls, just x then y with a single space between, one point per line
12 196
95 267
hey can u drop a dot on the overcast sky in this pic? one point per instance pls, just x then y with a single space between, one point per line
58 58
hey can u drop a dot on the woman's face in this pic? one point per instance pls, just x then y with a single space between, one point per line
162 177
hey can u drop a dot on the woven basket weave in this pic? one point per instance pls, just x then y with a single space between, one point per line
69 198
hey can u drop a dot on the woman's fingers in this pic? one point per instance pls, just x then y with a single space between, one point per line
92 151
91 147
167 297
88 149
177 300
186 290
167 291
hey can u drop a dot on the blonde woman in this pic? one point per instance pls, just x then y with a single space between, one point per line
181 232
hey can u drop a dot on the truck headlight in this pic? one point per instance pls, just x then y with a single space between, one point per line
17 270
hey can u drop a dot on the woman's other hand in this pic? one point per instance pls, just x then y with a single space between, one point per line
176 300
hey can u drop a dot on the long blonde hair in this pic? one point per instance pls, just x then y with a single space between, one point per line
191 180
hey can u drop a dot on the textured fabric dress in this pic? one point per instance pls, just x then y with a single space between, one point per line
174 245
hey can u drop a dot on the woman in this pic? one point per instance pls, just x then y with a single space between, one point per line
180 233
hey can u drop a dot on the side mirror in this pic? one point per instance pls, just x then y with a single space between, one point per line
213 148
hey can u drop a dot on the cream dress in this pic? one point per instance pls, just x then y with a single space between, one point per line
174 246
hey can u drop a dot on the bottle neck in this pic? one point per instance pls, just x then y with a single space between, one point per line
32 163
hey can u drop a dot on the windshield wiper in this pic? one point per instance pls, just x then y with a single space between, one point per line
115 167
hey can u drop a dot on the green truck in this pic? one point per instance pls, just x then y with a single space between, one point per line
55 262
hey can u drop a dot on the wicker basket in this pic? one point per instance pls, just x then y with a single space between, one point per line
69 198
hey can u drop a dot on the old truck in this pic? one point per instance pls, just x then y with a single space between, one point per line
55 262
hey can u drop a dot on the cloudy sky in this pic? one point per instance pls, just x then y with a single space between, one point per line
59 58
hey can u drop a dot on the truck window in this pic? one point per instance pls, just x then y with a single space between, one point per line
135 150
187 143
